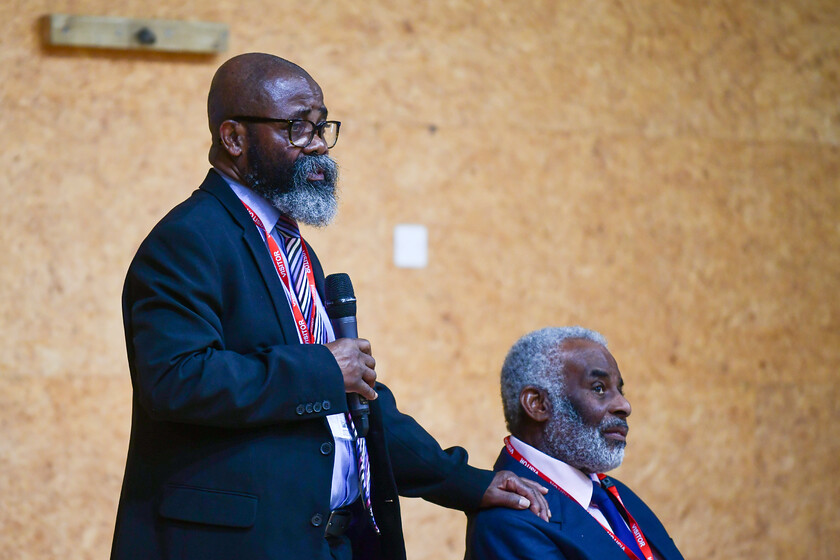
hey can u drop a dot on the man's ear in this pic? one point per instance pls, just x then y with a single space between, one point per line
535 402
232 138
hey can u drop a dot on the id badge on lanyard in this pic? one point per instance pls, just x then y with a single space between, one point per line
339 427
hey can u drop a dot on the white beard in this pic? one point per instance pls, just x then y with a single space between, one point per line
569 439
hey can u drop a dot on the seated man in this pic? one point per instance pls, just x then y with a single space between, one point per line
564 406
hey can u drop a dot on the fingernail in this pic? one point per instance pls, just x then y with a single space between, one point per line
375 395
523 502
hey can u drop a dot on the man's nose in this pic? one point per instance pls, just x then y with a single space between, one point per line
621 406
317 147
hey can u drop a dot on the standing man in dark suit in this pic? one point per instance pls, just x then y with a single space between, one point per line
565 408
241 445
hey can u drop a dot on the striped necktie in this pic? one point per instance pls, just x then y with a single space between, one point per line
293 243
363 466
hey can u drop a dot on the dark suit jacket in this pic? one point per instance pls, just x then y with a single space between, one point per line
571 533
230 453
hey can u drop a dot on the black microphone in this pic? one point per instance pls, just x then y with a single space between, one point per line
341 308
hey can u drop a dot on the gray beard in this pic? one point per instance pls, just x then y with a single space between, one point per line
312 203
569 439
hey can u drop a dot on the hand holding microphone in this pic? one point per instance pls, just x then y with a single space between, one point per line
357 365
353 354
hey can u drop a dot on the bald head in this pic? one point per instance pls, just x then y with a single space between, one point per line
250 84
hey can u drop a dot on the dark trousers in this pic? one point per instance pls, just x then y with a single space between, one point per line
360 542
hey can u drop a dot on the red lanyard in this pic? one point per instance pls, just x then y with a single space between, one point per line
634 527
279 260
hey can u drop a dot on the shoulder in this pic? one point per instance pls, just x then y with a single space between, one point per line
508 517
503 524
200 212
209 208
199 219
198 237
508 533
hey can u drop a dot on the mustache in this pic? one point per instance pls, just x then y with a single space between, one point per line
306 164
609 423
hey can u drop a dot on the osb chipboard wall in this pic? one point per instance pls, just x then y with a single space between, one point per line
664 172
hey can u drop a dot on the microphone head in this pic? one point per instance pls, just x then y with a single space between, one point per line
341 300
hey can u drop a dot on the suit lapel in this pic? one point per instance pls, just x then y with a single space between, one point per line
218 187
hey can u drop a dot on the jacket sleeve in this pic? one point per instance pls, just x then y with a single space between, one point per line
180 292
422 469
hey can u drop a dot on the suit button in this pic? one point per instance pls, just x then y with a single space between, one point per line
317 519
326 448
300 409
316 407
309 408
327 405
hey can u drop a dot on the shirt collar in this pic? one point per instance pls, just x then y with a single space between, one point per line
264 210
573 481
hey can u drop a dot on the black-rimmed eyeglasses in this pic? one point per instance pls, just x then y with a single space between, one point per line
301 131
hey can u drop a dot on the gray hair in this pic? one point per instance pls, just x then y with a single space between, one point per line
531 360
